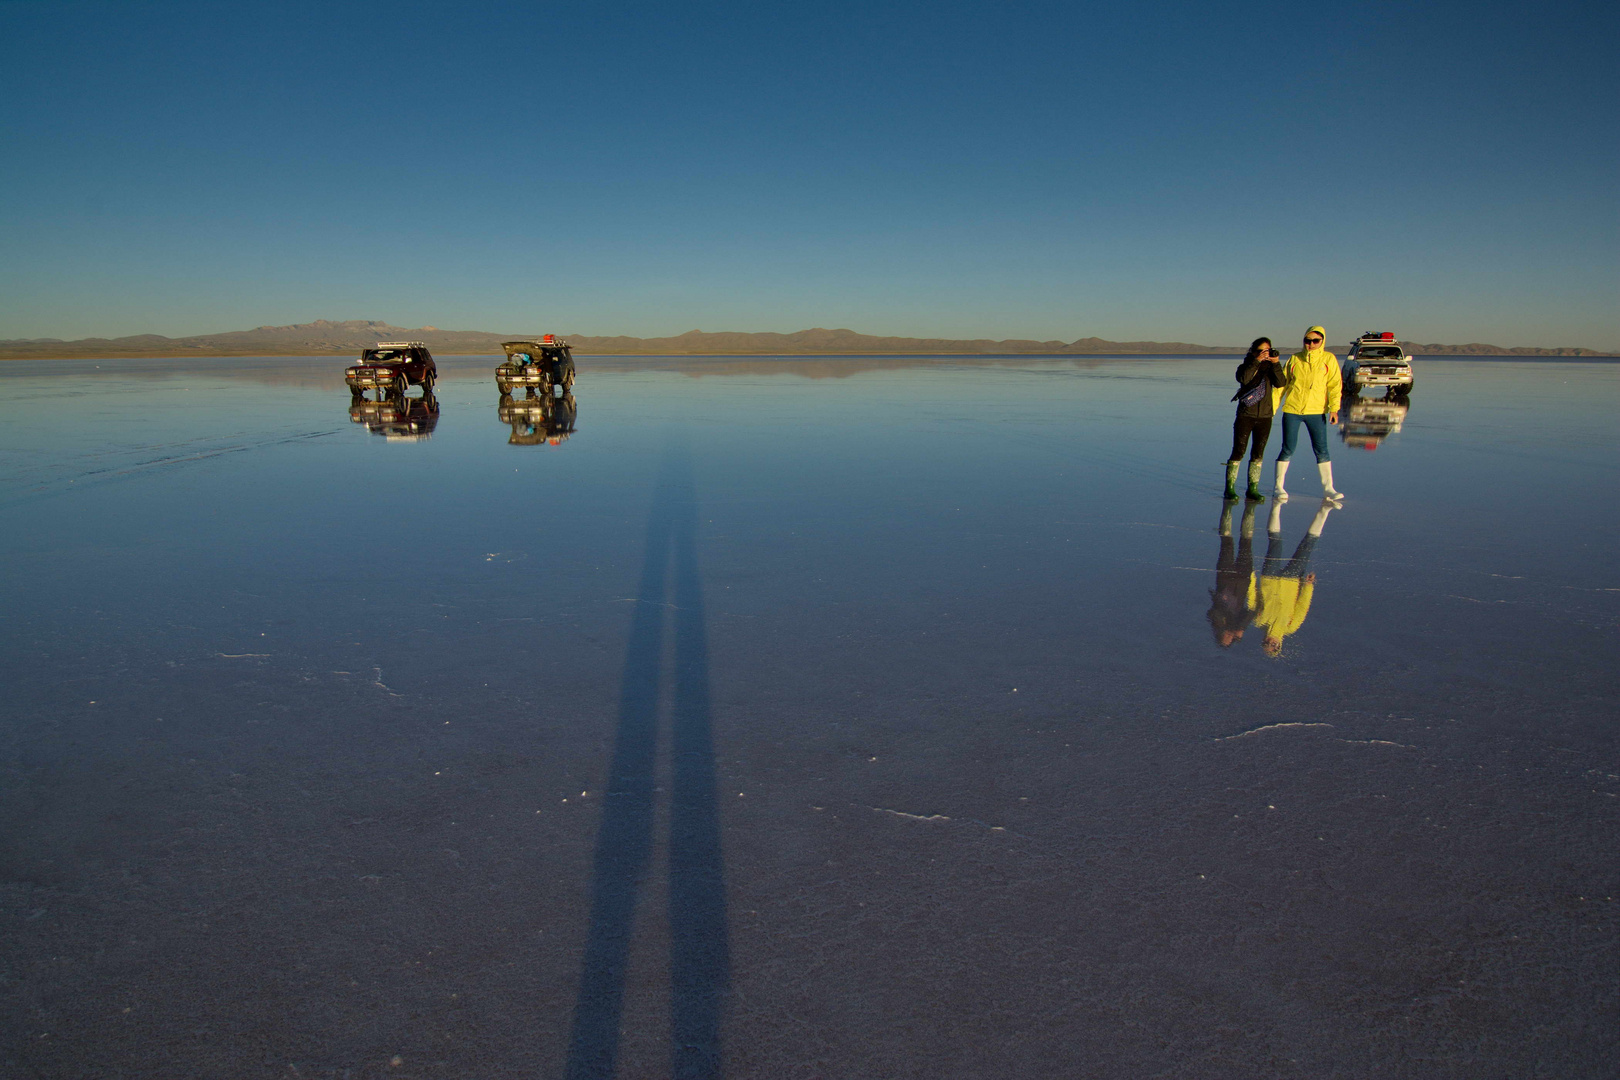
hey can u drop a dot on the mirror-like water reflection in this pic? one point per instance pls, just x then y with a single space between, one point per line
835 717
1369 421
401 418
539 420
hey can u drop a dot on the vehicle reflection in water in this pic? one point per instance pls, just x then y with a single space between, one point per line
397 418
1279 597
538 420
1367 422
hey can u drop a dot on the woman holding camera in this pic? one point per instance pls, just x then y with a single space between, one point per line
1261 382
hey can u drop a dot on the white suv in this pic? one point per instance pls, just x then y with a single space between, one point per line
1377 359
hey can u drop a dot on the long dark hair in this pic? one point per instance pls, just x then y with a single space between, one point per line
1254 350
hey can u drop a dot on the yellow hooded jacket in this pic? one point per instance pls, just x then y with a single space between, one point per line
1312 382
1283 602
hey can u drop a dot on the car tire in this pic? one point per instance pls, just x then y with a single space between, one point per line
504 387
428 379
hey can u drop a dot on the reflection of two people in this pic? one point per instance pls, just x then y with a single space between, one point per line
538 420
1279 597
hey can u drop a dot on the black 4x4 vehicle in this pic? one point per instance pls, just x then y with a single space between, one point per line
538 365
391 367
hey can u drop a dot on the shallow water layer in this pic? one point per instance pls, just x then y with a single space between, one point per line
831 718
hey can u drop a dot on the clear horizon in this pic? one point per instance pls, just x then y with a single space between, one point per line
1166 173
430 327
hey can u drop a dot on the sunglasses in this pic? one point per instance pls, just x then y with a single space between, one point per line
1313 341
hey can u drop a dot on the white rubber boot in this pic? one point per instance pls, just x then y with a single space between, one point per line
1277 491
1325 470
1327 507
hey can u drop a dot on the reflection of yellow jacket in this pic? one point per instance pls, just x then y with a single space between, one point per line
1283 604
1313 383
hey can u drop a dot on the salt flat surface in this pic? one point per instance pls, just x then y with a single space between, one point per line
830 718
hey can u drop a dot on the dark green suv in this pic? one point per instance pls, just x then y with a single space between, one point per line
544 364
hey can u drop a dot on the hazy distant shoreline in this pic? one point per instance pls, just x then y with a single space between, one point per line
327 338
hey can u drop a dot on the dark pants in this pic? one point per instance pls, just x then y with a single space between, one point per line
1246 427
1229 599
1316 425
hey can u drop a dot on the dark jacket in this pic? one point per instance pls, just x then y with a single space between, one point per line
1248 375
1229 606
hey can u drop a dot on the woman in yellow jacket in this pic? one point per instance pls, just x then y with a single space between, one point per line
1312 385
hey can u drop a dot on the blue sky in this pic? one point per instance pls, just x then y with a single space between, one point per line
1159 170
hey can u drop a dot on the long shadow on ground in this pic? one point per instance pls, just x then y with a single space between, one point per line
700 967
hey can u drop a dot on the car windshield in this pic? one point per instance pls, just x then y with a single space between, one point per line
1380 352
384 356
529 358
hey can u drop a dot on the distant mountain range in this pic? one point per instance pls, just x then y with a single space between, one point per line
324 337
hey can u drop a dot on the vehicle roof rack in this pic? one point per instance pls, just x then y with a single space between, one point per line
545 339
401 344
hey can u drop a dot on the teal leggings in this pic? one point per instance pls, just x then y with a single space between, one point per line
1316 425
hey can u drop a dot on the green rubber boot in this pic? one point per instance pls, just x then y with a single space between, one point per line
1231 480
1254 481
